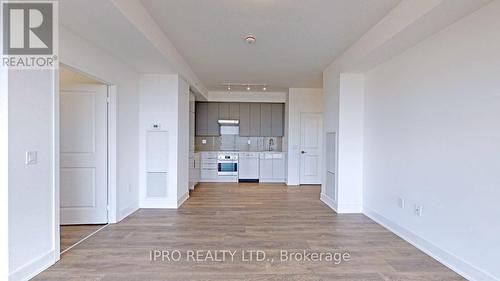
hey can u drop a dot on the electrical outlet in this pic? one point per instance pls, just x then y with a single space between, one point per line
203 141
418 210
401 202
249 142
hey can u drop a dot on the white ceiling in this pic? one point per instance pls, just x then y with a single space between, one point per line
100 23
296 39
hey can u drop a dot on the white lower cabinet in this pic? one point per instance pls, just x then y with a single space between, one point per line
272 167
279 166
266 166
208 166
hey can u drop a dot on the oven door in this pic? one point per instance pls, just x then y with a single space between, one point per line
227 168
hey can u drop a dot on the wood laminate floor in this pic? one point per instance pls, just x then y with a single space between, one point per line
72 234
244 217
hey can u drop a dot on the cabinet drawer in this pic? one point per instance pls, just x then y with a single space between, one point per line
209 161
208 166
208 174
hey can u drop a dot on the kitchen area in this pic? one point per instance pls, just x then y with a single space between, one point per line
237 142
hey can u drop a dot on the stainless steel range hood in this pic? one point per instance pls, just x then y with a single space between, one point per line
227 122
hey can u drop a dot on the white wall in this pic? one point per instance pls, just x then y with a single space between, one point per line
165 101
4 174
350 136
81 55
432 135
32 194
300 100
331 96
183 142
404 26
31 188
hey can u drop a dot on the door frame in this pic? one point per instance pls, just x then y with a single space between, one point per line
111 154
320 137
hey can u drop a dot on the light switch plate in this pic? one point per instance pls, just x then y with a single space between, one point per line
249 141
401 203
31 157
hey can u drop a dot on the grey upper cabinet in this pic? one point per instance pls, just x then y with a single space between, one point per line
254 120
234 111
265 120
201 119
244 112
212 118
277 118
224 111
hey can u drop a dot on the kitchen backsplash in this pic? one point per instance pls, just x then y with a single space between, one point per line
237 143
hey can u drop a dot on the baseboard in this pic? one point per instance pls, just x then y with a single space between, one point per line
349 208
328 201
158 204
456 264
33 268
183 199
127 211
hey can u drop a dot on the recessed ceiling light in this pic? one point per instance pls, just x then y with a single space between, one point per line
264 88
248 88
229 88
250 39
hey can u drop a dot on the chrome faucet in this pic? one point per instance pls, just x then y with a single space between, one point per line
271 143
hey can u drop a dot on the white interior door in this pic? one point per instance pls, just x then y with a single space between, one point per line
311 126
83 154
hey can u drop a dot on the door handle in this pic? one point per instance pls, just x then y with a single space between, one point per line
303 152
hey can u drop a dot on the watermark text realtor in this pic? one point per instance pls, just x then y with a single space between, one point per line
29 34
248 256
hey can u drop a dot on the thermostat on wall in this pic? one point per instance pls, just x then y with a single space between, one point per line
156 126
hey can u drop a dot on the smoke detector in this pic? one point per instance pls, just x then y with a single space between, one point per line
250 39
